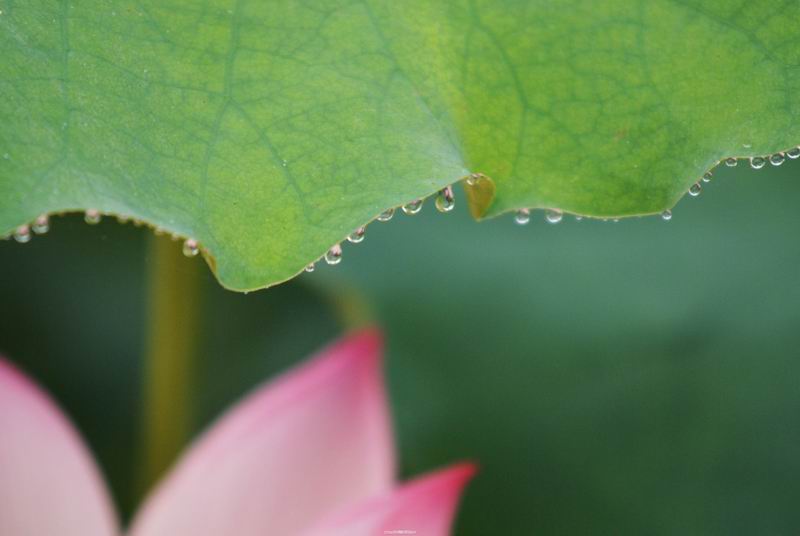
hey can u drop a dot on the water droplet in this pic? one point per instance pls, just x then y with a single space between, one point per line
386 215
92 216
6 156
794 154
284 163
334 255
445 201
310 267
191 248
357 236
22 234
695 189
523 216
731 162
413 207
553 216
707 176
666 215
777 159
756 162
41 225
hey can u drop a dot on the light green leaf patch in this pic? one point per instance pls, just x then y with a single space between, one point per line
270 130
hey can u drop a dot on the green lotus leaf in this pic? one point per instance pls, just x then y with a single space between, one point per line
269 130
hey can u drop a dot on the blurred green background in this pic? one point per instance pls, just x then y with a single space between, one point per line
640 377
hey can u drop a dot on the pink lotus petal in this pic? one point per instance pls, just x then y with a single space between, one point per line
293 451
49 484
424 507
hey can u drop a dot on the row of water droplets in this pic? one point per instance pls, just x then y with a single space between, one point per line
41 225
523 215
445 202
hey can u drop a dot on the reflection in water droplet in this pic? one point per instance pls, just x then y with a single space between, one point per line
523 216
334 255
578 218
777 159
92 216
357 235
473 179
731 162
695 189
413 207
756 162
445 200
666 215
310 267
41 225
707 176
386 215
191 248
794 154
553 216
122 219
22 234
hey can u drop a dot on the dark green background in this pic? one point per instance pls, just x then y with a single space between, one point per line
638 377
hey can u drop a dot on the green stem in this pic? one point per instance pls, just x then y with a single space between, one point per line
172 330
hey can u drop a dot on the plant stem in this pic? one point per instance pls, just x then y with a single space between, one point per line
172 330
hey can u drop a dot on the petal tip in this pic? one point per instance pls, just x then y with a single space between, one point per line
366 343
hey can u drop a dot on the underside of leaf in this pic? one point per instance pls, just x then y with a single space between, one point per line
269 131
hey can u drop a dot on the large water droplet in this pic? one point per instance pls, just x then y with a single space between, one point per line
445 200
191 248
553 216
731 162
695 189
666 215
22 234
41 225
523 216
413 207
334 255
357 236
756 162
794 154
310 267
386 215
777 159
92 216
707 176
